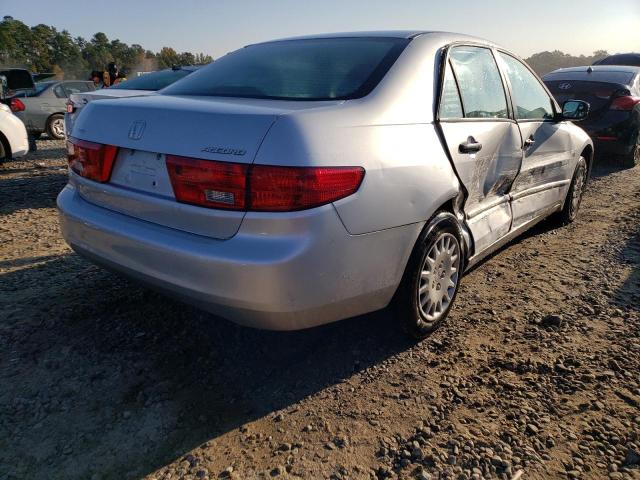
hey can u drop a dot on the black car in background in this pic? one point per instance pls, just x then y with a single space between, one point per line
614 95
628 59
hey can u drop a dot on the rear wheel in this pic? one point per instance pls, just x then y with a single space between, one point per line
432 277
633 158
576 191
55 126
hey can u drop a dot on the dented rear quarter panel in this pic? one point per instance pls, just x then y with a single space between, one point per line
408 175
390 132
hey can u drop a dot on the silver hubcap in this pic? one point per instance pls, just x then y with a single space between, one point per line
439 277
57 127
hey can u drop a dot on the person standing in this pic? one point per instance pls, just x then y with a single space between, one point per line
110 75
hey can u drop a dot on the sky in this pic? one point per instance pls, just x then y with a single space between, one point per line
216 27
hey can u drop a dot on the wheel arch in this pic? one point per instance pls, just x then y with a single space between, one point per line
588 153
448 213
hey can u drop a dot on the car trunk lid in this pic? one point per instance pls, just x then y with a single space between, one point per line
599 95
147 129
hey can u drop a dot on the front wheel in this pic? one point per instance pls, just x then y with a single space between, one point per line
574 196
432 277
55 127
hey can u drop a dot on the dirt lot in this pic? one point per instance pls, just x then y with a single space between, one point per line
537 370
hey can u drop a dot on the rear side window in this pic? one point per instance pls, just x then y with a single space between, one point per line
480 83
59 92
531 99
450 105
305 69
77 87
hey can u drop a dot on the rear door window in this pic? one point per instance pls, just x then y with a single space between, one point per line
532 102
481 87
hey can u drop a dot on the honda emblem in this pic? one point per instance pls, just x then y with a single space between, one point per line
137 129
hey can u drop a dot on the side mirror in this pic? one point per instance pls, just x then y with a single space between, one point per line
575 110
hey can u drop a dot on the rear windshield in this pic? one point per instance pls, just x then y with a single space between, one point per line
306 69
153 81
40 87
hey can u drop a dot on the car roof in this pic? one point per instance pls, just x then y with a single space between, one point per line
622 57
445 37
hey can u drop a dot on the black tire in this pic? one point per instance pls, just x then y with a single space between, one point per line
407 301
574 196
5 150
53 130
633 158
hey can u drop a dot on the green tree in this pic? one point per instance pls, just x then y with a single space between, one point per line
67 54
202 59
545 62
97 52
167 58
15 43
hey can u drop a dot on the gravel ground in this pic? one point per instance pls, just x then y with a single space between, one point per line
535 375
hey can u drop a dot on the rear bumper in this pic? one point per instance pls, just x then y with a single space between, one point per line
275 273
614 133
604 148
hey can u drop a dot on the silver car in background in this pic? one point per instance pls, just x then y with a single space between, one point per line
42 109
296 182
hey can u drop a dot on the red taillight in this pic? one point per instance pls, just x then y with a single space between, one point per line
70 107
278 189
16 105
91 160
209 184
234 186
625 103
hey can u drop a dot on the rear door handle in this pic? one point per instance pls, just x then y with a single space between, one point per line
529 141
470 146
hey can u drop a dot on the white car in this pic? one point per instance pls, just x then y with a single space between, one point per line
13 135
141 86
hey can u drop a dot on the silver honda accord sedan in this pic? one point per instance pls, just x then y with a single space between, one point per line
297 182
